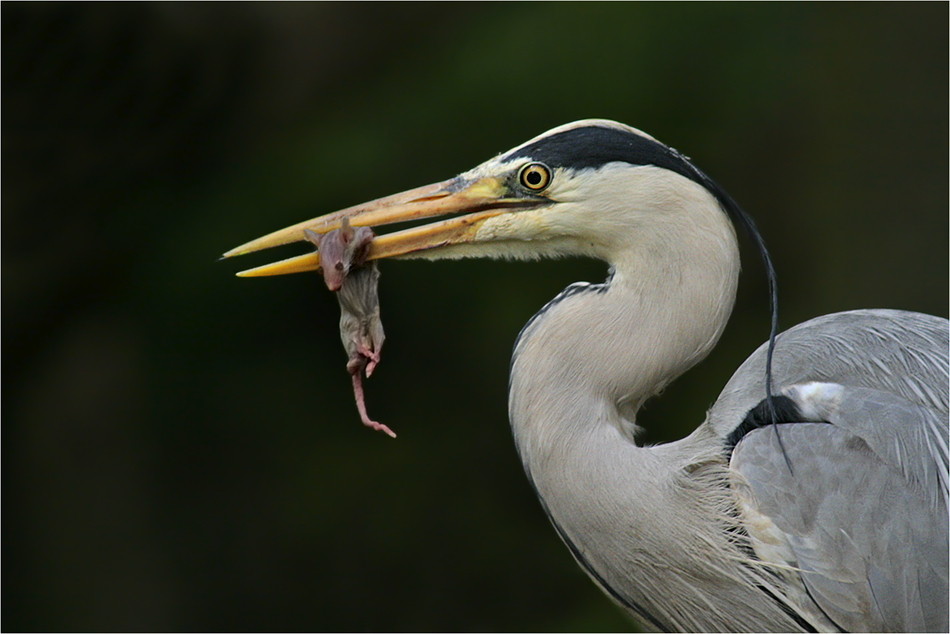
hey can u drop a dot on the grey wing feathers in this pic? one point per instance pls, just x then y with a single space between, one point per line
908 437
866 525
860 521
894 351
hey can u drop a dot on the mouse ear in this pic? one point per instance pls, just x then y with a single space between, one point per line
346 231
313 237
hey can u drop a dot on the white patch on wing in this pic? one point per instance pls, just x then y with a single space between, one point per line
816 401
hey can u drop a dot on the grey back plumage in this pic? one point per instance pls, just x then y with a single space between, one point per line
849 500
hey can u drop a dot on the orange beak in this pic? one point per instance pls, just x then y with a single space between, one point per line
466 204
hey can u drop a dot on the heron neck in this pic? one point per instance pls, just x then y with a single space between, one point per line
581 369
594 354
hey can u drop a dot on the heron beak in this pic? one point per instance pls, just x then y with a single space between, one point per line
467 203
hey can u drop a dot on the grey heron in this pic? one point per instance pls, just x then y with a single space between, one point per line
822 507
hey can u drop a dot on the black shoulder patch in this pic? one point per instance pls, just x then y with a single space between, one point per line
786 411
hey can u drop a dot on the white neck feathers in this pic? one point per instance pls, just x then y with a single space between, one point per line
591 354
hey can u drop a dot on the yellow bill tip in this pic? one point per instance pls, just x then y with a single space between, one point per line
233 252
287 235
297 264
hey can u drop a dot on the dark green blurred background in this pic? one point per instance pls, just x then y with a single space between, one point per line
180 447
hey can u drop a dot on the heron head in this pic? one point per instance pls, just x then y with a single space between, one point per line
574 190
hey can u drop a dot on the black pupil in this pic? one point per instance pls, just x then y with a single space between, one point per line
533 177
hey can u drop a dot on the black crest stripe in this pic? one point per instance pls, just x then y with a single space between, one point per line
593 146
590 147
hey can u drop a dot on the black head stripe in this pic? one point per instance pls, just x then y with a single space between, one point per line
594 146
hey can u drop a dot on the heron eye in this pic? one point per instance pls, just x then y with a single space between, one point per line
535 176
